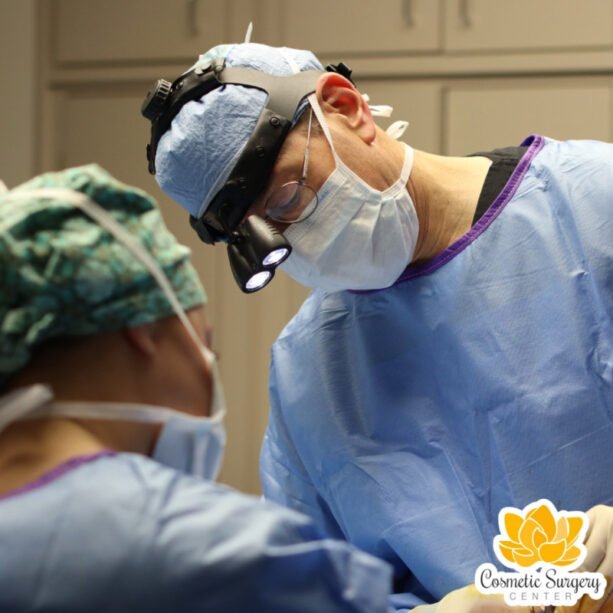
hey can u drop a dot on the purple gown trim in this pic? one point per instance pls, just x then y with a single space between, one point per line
57 472
535 143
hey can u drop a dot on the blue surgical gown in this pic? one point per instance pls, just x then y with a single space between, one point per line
122 533
403 420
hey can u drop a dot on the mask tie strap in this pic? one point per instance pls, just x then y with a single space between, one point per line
397 129
113 412
22 403
378 110
407 166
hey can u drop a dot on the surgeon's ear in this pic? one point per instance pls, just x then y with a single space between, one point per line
338 97
141 339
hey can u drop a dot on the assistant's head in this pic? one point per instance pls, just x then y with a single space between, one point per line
346 212
80 312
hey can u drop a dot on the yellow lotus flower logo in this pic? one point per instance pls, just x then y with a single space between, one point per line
538 535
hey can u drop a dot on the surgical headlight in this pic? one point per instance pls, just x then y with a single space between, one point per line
254 251
255 248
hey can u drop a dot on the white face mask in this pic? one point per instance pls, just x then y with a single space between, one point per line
358 237
187 443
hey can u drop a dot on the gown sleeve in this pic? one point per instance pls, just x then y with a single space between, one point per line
225 551
283 475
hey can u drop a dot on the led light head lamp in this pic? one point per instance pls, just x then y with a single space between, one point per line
255 248
255 253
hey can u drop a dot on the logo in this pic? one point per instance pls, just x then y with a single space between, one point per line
543 547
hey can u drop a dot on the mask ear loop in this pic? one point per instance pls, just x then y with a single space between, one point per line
324 125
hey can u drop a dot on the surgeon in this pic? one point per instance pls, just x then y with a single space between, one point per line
111 428
455 356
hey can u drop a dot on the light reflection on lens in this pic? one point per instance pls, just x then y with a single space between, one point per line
276 256
259 280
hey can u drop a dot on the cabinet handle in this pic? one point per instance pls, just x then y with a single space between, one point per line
407 13
466 16
192 17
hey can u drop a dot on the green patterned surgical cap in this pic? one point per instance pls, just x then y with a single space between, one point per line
63 275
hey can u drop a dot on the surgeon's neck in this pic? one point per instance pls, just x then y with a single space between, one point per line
445 191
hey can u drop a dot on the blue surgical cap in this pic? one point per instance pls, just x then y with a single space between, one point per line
197 154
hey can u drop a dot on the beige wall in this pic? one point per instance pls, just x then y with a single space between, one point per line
17 104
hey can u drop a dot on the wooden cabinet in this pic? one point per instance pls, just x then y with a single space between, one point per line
521 25
459 117
348 27
360 27
500 113
128 31
146 30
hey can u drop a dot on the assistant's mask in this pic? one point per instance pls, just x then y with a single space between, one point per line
358 237
188 443
195 445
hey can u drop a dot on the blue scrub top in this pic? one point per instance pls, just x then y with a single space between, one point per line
404 419
123 533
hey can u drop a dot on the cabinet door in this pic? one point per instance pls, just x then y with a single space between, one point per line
485 115
101 124
146 30
358 26
527 24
